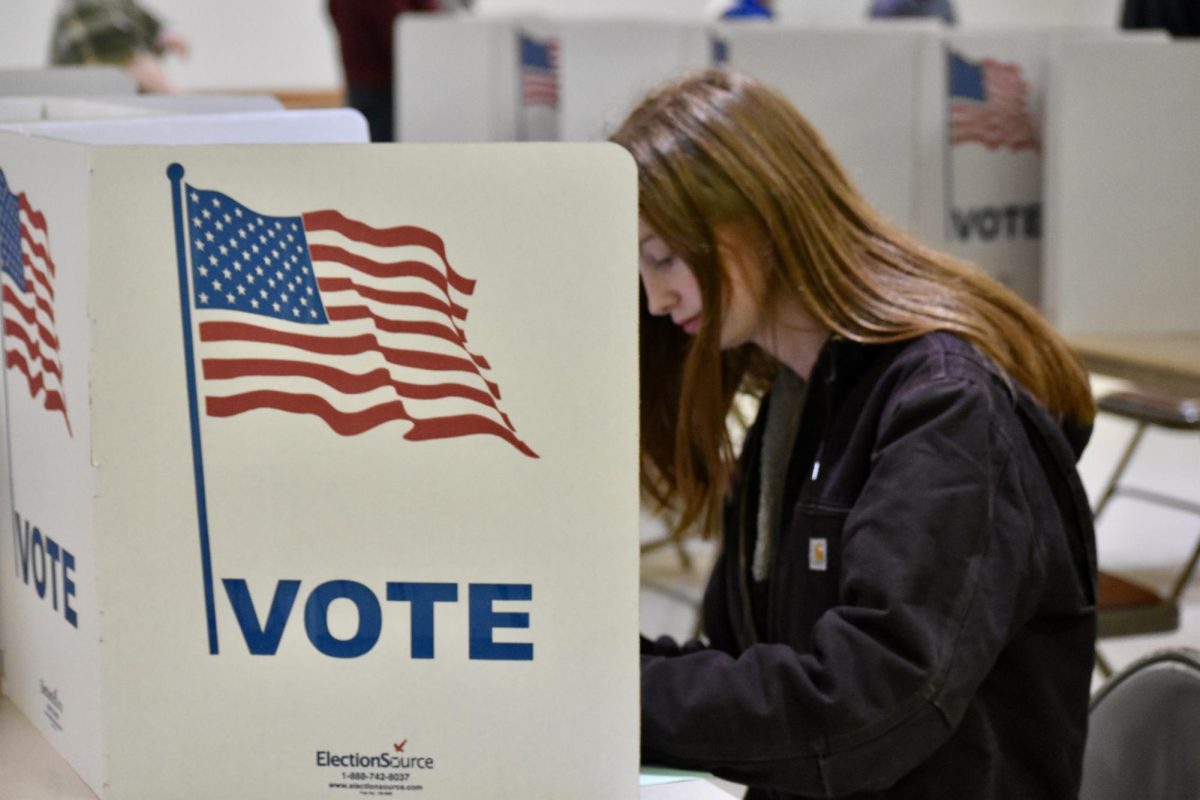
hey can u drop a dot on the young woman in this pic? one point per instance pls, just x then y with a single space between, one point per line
903 602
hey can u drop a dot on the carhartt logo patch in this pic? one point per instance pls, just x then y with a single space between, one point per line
818 555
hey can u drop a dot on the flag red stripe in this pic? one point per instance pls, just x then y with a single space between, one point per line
418 299
352 424
27 314
463 425
347 424
53 398
342 381
400 236
996 144
991 128
41 359
378 269
45 306
343 313
35 349
35 216
37 382
38 274
338 346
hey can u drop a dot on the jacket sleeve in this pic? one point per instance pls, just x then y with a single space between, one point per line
936 554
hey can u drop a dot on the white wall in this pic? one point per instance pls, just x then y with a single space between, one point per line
265 44
290 44
1004 13
25 33
971 13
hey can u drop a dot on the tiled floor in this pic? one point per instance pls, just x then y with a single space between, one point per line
1146 543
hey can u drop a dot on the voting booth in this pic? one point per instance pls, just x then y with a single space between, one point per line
323 461
873 93
994 110
51 107
598 90
70 81
1123 187
455 79
942 130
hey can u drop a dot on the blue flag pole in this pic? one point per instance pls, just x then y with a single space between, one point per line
175 173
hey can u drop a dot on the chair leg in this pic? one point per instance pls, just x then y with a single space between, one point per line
685 558
1186 575
1115 479
1102 664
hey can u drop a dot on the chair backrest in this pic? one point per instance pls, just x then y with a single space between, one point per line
1144 731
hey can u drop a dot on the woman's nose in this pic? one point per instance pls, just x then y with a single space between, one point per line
660 298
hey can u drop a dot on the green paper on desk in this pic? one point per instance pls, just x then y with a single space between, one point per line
651 776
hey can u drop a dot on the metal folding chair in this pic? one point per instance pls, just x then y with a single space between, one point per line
1143 726
1125 607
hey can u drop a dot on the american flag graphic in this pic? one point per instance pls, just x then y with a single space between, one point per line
539 71
27 273
989 105
324 315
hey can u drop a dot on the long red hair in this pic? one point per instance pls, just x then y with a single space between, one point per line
718 148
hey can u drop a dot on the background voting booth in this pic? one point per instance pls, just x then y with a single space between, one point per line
456 79
872 94
49 107
72 81
943 131
595 100
1123 182
297 485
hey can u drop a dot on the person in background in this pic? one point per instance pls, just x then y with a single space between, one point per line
1180 18
365 37
903 605
118 32
741 9
914 8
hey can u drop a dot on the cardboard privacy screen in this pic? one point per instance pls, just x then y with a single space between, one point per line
323 467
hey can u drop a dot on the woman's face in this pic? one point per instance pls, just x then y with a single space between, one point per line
672 290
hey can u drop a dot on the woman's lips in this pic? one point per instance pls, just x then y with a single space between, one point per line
691 326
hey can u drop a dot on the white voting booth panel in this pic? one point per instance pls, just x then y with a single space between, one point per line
607 66
456 79
283 127
865 90
821 12
1100 14
173 104
18 631
391 547
659 9
995 110
71 81
466 79
1123 187
20 109
28 109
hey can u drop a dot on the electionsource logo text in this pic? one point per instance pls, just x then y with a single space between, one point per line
382 760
